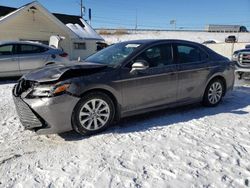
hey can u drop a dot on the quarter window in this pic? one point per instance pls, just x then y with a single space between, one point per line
157 56
6 50
203 55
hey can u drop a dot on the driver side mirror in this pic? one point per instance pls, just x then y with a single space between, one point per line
139 65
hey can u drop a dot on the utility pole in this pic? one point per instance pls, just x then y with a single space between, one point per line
136 21
81 9
90 16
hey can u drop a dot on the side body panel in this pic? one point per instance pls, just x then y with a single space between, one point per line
9 65
28 62
9 62
148 88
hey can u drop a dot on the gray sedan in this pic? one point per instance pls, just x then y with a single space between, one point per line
18 58
122 80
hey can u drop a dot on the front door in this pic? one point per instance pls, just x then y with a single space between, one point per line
154 86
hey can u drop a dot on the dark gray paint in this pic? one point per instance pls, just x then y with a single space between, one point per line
137 92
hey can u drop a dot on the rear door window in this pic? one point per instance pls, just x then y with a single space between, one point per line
190 54
31 49
6 50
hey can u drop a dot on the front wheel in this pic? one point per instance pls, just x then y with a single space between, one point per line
213 93
93 113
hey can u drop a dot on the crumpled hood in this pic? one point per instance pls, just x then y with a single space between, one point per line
55 72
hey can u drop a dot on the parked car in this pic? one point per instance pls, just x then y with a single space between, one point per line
231 39
247 46
242 63
18 58
209 42
121 80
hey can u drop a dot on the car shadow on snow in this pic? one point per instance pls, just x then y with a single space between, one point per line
233 103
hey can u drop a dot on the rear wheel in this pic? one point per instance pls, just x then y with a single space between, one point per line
93 113
214 93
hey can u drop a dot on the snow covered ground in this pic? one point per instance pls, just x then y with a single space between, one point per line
184 35
225 49
191 146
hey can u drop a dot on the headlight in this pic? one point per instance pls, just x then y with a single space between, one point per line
235 57
41 92
49 90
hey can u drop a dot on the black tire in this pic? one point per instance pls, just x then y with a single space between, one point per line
207 101
76 122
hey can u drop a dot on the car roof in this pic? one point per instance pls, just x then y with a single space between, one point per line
152 41
23 42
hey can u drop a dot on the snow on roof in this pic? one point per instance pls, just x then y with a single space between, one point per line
85 33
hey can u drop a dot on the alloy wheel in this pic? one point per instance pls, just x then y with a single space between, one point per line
94 114
215 92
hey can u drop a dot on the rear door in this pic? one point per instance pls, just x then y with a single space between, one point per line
8 61
193 71
31 57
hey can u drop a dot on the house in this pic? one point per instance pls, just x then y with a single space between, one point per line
33 22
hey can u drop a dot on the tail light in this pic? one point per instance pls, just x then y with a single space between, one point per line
64 54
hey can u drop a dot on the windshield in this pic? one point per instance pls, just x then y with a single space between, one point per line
114 54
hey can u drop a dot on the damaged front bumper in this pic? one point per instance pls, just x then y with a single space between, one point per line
46 115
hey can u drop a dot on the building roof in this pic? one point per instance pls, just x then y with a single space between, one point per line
74 25
64 18
6 10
